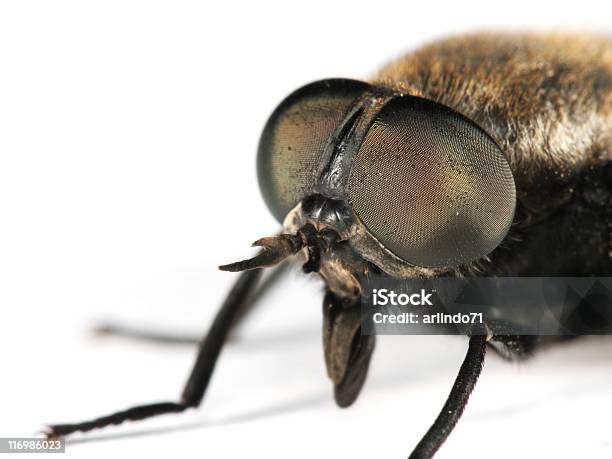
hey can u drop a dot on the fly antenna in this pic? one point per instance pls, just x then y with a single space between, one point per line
275 250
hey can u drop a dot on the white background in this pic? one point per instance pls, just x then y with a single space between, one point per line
127 143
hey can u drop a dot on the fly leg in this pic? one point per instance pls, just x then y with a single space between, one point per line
136 333
456 401
193 393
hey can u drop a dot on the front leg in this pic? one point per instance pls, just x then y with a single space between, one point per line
194 390
160 337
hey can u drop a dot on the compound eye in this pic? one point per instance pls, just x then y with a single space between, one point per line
431 186
295 137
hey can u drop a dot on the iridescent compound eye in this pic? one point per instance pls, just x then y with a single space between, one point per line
431 186
295 137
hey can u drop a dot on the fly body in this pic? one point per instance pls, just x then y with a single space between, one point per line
481 155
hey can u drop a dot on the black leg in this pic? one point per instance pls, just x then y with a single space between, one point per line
193 393
165 338
141 334
456 401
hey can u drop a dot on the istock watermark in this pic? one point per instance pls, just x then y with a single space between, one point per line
383 297
499 305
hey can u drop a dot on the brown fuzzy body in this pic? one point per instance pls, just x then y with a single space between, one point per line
547 101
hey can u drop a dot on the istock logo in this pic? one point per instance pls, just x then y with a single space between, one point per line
384 297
